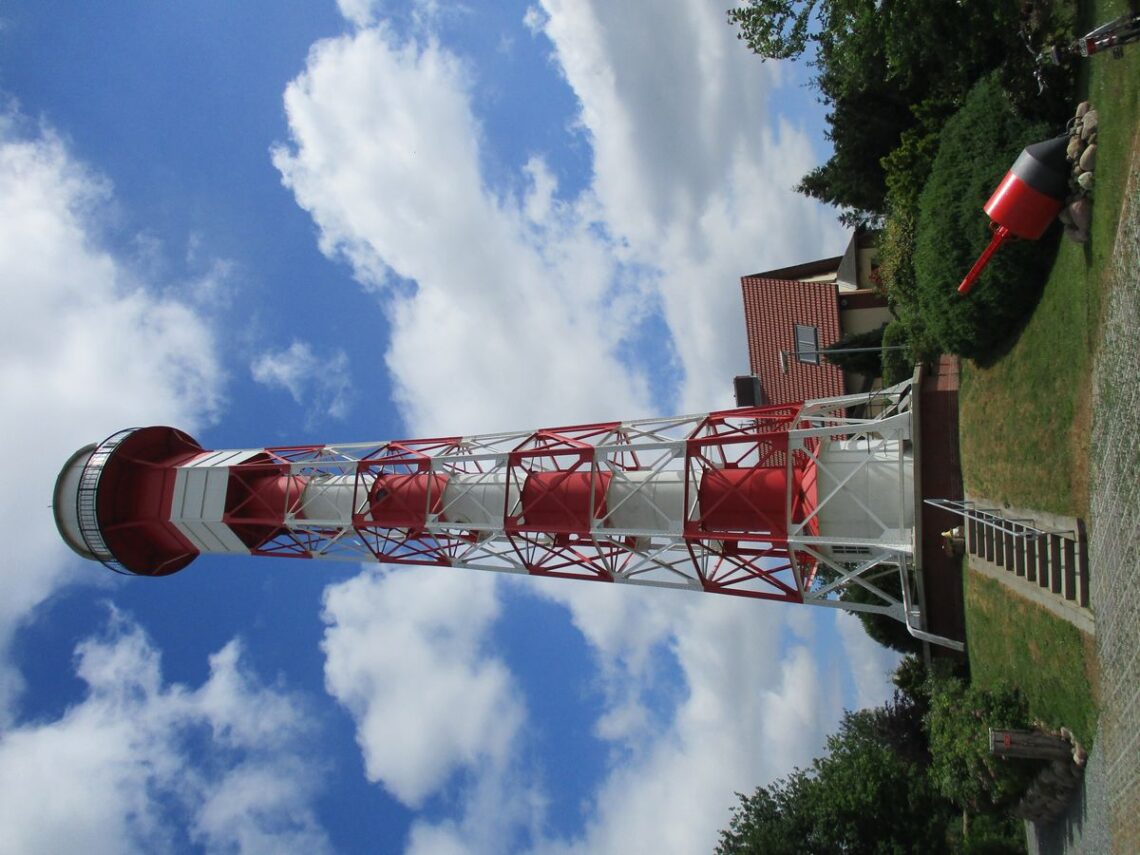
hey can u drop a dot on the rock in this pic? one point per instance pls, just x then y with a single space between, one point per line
1073 151
1092 139
1076 235
1079 212
1085 181
1087 163
1065 217
1082 108
1088 124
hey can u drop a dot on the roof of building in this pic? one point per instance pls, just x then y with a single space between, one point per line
772 309
807 270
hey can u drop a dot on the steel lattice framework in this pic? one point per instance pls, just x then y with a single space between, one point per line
752 502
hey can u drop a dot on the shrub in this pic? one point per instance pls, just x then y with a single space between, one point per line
898 365
867 363
963 769
896 267
992 834
979 144
907 167
895 251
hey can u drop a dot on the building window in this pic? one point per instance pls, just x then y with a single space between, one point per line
807 344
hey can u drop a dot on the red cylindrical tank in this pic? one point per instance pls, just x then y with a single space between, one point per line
404 501
559 502
746 499
261 492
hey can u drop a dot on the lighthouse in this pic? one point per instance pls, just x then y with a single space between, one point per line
811 503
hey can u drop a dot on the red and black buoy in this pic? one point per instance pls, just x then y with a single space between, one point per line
1027 200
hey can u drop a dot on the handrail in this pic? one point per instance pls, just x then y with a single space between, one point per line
86 501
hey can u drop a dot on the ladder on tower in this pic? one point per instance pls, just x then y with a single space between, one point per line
1038 550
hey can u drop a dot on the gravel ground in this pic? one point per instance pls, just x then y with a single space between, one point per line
1107 816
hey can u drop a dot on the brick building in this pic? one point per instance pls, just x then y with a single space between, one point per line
794 312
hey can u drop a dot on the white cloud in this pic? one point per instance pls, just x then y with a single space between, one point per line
690 169
522 304
534 19
118 772
436 712
672 783
406 654
510 317
320 384
86 348
359 12
869 663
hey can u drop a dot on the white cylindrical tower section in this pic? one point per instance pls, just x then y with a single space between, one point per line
865 489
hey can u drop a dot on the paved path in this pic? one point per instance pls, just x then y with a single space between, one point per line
1114 547
1107 817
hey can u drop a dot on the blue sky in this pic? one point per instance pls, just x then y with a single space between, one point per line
307 222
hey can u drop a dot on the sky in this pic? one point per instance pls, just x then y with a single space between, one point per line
294 222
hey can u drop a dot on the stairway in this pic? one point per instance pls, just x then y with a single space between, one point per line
1040 556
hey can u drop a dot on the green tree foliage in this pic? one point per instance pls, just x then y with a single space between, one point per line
898 365
890 72
867 363
979 144
882 785
870 793
774 820
863 128
963 769
774 29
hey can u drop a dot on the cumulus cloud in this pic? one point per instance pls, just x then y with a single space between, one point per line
518 303
120 771
359 12
690 169
510 303
320 384
869 663
406 655
86 348
744 690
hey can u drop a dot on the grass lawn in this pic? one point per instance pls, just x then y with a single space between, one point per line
1025 421
1013 641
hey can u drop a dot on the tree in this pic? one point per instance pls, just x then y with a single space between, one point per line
774 820
847 43
894 779
870 793
774 29
963 768
866 362
890 73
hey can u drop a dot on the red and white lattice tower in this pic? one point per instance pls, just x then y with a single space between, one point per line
797 503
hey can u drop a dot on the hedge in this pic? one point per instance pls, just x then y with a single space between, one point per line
979 144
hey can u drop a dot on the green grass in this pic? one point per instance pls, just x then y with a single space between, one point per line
1025 421
1014 642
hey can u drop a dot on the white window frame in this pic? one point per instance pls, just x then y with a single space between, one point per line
802 333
